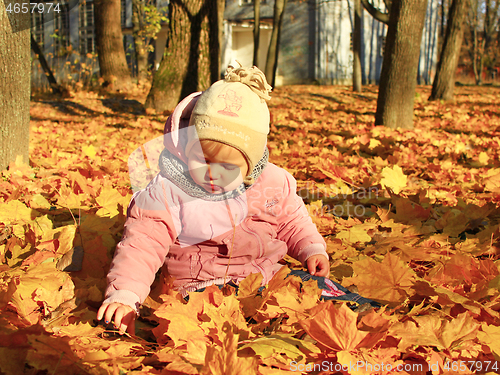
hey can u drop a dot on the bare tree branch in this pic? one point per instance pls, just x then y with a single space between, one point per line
375 12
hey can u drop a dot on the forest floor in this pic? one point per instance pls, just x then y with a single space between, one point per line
411 219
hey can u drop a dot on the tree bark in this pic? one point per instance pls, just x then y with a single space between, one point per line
491 26
167 82
483 22
398 78
15 86
216 27
256 32
273 52
109 43
357 84
140 47
192 55
443 19
444 82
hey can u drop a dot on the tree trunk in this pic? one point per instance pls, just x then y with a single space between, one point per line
256 32
444 82
216 27
357 84
15 85
398 78
109 42
490 27
443 18
477 61
140 47
192 55
273 52
167 82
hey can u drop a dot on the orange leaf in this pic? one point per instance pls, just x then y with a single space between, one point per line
432 330
224 360
388 281
334 327
408 211
178 321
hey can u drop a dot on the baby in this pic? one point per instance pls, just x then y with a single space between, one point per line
218 211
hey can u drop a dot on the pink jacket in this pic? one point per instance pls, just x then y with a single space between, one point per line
194 239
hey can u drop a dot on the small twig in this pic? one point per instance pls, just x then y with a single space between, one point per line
58 362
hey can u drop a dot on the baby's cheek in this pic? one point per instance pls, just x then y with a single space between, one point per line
234 178
197 170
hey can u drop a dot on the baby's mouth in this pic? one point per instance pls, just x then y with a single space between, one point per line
213 188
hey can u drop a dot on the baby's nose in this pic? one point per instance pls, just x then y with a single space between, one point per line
215 171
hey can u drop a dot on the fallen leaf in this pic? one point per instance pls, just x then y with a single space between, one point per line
334 327
388 281
394 178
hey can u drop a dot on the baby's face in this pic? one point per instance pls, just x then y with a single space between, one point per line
216 167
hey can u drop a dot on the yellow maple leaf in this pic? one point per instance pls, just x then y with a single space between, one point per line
250 285
179 322
289 301
432 330
281 343
228 310
460 147
196 352
49 352
355 234
490 335
394 178
492 181
16 211
224 359
89 151
43 228
374 143
70 200
39 201
66 236
483 158
109 199
40 285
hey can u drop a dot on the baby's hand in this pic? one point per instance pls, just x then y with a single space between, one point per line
124 316
318 265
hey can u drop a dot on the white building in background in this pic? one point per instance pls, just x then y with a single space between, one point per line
316 40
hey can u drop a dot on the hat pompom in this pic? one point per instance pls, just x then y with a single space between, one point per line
252 77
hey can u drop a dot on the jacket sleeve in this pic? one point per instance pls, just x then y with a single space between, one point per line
151 227
295 226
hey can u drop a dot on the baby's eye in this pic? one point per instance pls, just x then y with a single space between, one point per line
230 167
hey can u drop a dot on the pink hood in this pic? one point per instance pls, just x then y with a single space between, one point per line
177 121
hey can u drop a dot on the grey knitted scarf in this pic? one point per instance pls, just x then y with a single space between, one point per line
178 173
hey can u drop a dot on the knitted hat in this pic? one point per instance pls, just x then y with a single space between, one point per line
233 111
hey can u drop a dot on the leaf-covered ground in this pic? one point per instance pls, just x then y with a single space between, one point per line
411 220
